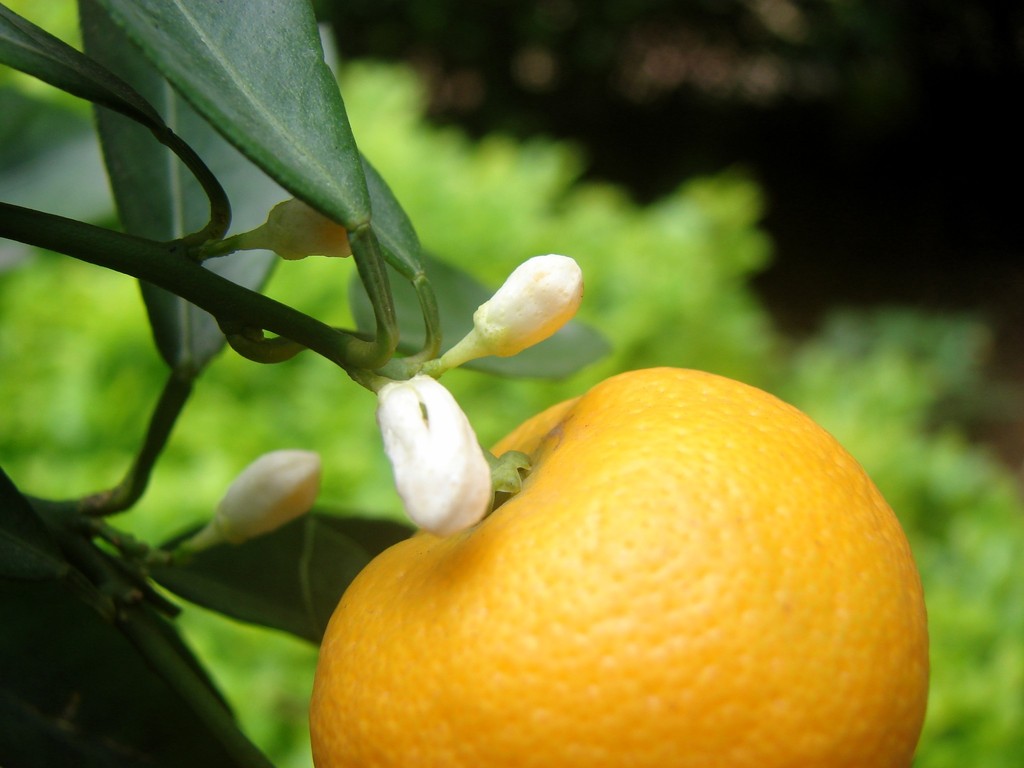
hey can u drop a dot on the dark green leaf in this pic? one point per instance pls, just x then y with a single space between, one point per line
157 198
74 692
458 296
256 71
30 49
27 550
290 579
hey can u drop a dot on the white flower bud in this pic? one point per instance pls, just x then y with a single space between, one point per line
440 470
275 489
294 230
539 297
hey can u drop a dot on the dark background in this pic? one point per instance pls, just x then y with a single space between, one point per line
886 135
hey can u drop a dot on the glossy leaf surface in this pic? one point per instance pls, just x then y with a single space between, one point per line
80 695
27 550
290 579
34 51
256 71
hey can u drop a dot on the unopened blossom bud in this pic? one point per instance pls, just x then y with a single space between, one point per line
440 470
539 297
275 489
294 230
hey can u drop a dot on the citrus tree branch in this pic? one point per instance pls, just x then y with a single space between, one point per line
169 266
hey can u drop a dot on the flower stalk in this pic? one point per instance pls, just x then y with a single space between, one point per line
540 296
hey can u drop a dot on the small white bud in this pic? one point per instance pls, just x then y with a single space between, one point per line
440 470
294 230
539 297
275 489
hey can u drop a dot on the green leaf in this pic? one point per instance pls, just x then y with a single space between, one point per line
27 550
74 691
156 198
290 579
256 71
459 294
36 52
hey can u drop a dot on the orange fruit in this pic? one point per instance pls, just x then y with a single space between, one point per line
694 574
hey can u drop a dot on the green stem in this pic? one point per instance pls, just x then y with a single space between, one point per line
124 495
168 266
369 258
431 319
220 207
263 350
88 567
369 379
213 249
99 579
423 361
469 347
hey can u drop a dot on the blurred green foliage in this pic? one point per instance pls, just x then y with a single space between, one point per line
668 283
